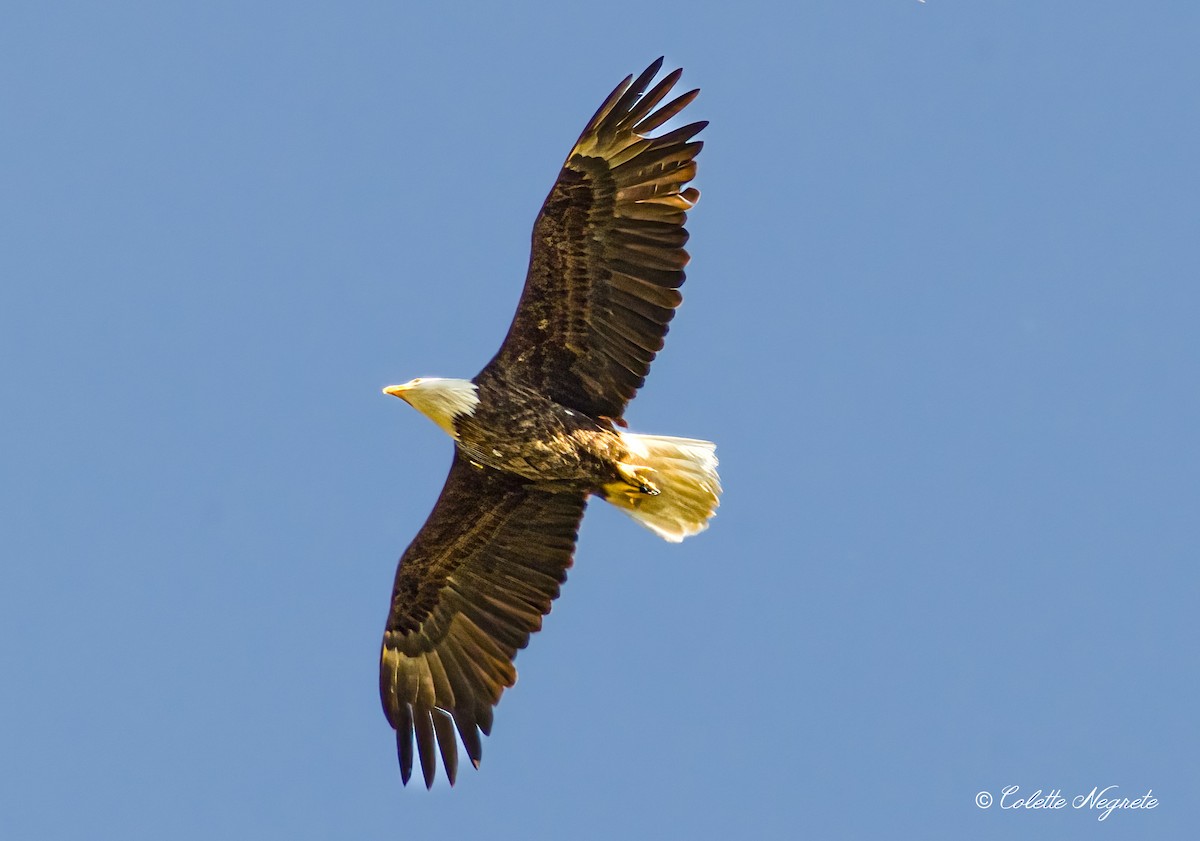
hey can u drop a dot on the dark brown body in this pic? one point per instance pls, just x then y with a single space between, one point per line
517 430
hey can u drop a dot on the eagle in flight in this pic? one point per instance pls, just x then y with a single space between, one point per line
540 429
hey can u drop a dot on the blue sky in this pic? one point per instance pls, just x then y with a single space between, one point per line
940 319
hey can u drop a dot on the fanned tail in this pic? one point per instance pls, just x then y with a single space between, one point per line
684 473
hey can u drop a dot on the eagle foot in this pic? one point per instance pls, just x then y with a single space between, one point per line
638 477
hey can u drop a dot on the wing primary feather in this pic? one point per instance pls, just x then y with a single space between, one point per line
426 694
682 134
607 106
640 211
484 720
628 99
683 201
672 153
443 726
654 96
665 113
648 187
423 729
466 706
470 737
442 687
404 741
487 684
620 156
489 672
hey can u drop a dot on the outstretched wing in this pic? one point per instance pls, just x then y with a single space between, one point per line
608 256
472 587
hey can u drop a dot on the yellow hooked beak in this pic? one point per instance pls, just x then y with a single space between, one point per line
397 391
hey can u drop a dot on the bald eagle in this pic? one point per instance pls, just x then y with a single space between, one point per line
540 429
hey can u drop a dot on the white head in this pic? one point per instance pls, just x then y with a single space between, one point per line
439 399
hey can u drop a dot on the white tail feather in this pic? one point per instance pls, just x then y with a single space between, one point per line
684 470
